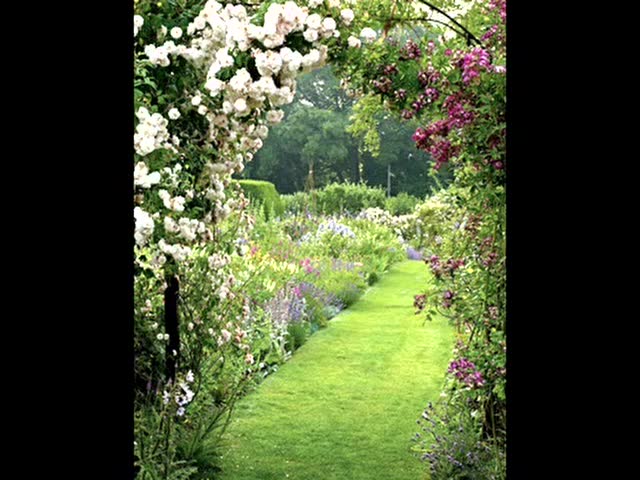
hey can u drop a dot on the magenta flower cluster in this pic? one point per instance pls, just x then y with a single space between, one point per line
433 140
447 298
490 33
410 51
500 5
308 267
440 269
472 63
467 372
430 76
383 84
458 115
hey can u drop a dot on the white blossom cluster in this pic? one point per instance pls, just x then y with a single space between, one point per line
138 21
142 177
144 226
239 108
151 132
182 394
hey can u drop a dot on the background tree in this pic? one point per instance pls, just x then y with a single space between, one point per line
316 130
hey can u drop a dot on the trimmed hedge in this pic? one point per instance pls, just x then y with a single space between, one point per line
337 198
264 193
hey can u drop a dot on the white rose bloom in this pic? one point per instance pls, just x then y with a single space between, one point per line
293 15
199 23
255 32
174 114
140 172
310 35
329 24
176 32
214 86
240 81
144 226
240 106
223 58
142 114
273 41
268 63
196 100
153 178
294 62
177 204
347 16
214 68
334 3
275 116
170 225
138 21
312 59
336 34
142 177
314 21
354 42
368 34
227 107
262 131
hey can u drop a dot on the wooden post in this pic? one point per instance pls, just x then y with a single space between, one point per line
171 325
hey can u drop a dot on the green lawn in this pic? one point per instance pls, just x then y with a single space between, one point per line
345 406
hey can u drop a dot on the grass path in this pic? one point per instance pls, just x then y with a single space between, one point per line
345 406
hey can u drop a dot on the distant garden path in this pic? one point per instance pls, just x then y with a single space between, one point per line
345 406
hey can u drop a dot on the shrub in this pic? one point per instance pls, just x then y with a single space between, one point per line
349 197
451 442
402 204
297 203
264 193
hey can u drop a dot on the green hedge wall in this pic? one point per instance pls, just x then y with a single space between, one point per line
264 193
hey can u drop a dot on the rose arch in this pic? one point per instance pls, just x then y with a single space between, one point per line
210 78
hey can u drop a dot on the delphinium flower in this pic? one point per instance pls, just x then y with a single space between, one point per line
336 228
337 264
321 296
413 254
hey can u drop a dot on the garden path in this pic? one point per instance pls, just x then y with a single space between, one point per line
345 406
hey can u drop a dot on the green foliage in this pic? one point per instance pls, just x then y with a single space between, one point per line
265 194
315 134
297 336
401 204
364 123
454 440
336 198
298 202
349 197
